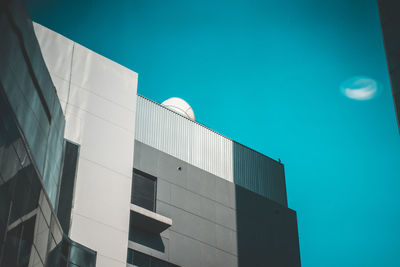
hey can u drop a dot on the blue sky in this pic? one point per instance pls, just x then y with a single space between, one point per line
268 74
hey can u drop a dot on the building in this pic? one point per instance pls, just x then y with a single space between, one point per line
390 23
91 174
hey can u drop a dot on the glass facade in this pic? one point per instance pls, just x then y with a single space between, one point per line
70 253
28 227
31 151
29 90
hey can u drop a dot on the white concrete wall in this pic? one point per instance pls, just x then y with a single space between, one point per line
98 97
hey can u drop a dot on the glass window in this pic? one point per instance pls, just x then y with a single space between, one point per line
139 259
70 253
18 245
144 188
67 185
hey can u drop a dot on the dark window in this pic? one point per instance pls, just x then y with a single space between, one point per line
67 185
70 253
17 246
139 259
144 188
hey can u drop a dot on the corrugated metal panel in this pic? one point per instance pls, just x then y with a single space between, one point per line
194 143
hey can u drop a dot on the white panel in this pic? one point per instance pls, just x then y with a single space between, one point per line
56 50
105 143
101 141
102 107
109 194
73 124
102 261
100 117
105 239
104 77
99 103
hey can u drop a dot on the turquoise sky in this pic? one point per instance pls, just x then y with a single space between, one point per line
267 74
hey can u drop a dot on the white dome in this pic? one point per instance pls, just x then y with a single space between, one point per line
179 106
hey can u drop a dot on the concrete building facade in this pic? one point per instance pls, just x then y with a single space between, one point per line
214 221
98 98
93 174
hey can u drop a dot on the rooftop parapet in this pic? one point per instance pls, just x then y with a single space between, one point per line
194 143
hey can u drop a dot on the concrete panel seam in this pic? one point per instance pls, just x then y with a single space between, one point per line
106 99
101 118
190 237
196 193
70 77
74 212
194 214
99 164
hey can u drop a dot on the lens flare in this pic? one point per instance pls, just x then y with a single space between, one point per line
360 88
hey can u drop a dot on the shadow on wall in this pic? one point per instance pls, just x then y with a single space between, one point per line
151 240
266 231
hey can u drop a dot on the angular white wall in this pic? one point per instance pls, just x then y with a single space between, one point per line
98 97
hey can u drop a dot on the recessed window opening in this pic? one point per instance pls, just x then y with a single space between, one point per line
144 188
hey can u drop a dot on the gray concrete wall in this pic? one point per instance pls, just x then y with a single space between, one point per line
214 222
194 143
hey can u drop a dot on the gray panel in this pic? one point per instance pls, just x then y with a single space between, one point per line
172 170
226 239
208 255
163 190
164 209
165 234
225 192
199 146
226 260
193 226
206 211
193 203
185 251
225 216
146 159
201 182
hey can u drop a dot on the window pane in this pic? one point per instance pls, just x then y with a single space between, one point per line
26 241
158 263
140 259
143 190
